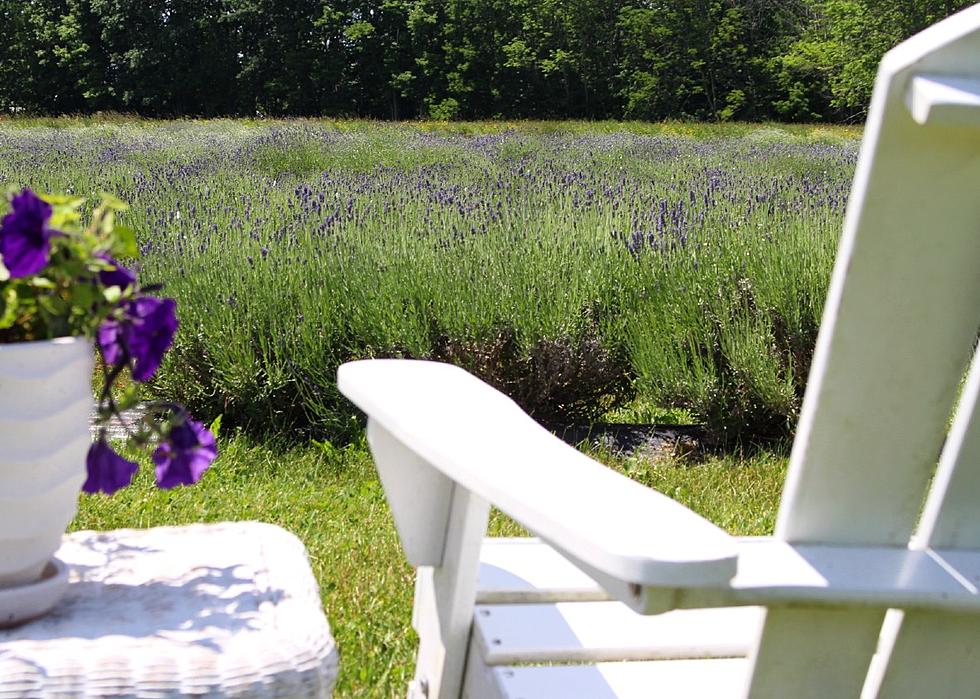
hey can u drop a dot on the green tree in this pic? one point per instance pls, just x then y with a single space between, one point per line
282 48
834 60
802 60
42 57
160 57
684 60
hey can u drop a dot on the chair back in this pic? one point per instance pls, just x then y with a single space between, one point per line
899 328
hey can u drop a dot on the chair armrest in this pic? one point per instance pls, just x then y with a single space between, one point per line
484 442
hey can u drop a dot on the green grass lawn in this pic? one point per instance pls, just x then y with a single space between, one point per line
332 499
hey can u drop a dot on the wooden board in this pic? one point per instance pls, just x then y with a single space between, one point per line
479 438
666 679
522 570
897 330
602 631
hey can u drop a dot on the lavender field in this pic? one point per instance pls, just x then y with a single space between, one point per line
580 269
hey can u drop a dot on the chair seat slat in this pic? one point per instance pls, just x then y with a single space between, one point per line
607 631
665 679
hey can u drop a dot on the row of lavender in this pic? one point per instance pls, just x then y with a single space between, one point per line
574 272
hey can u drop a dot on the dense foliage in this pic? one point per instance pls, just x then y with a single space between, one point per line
572 270
802 60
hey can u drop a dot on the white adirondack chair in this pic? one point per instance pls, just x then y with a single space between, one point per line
861 592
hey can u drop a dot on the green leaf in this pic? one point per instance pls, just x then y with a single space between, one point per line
9 316
54 306
103 221
43 283
84 295
111 202
215 426
64 200
124 242
65 211
129 397
112 294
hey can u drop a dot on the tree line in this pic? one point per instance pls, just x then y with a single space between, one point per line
790 60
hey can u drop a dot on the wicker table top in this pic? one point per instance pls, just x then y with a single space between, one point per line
229 609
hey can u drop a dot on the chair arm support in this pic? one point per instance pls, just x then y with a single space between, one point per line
485 443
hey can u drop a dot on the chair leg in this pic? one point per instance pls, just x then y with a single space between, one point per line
444 601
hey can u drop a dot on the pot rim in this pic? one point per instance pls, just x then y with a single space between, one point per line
29 345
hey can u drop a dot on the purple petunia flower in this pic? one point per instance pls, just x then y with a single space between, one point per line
153 326
109 338
120 276
107 471
144 334
25 239
186 454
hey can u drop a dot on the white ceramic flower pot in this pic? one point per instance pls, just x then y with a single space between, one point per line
45 404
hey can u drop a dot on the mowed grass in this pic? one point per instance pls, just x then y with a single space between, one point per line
332 499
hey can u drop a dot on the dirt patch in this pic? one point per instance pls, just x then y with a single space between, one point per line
648 441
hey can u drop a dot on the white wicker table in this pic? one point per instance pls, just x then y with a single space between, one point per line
229 609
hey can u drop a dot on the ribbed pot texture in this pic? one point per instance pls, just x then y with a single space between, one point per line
45 402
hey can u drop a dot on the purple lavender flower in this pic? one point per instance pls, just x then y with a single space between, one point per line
120 276
107 471
144 334
25 239
186 454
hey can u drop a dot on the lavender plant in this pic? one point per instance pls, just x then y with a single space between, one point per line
687 270
61 278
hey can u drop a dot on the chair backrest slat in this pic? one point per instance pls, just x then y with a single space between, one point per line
900 321
951 518
901 316
922 651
